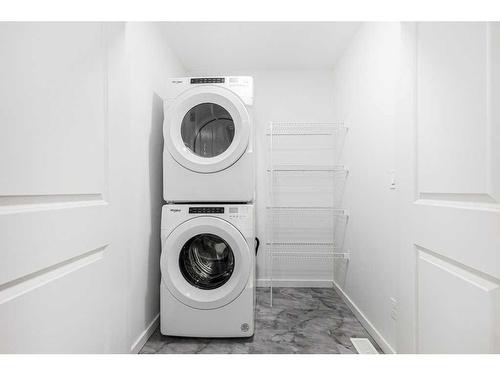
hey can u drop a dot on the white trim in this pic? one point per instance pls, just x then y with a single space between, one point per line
16 288
294 283
145 335
377 336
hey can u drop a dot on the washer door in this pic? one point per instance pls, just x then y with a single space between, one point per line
207 129
205 263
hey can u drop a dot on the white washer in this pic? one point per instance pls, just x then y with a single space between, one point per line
208 131
207 270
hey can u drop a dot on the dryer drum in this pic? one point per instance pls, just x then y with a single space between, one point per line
207 130
206 261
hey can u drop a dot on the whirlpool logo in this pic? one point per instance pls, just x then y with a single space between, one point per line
175 210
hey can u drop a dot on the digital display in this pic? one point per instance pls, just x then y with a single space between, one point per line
206 210
207 80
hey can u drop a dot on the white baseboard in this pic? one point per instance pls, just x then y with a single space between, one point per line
377 336
293 283
145 335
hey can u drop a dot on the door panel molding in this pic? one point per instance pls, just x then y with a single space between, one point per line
480 279
28 283
25 203
467 235
456 306
473 201
36 239
473 204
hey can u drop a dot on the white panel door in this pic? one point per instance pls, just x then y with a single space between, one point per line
454 241
54 227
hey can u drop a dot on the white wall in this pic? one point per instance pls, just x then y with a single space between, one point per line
151 64
364 95
80 190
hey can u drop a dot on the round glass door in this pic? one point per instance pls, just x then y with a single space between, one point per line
207 130
206 261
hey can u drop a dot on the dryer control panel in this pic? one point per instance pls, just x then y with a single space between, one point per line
194 81
240 85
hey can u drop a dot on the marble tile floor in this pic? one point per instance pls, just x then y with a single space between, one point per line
302 320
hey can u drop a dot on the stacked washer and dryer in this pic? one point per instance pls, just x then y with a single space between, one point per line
207 226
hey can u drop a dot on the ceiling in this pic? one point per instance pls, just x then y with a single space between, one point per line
237 46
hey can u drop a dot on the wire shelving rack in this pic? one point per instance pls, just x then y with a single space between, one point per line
305 219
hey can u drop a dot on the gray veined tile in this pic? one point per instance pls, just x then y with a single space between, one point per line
301 320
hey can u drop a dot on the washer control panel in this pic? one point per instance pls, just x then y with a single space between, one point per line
206 210
239 215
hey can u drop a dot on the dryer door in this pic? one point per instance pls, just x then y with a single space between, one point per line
207 129
205 262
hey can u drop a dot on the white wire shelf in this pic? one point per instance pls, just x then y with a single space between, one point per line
319 244
308 168
302 128
308 124
307 185
317 229
277 254
305 143
335 210
306 249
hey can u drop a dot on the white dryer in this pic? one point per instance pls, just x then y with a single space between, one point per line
208 131
207 270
